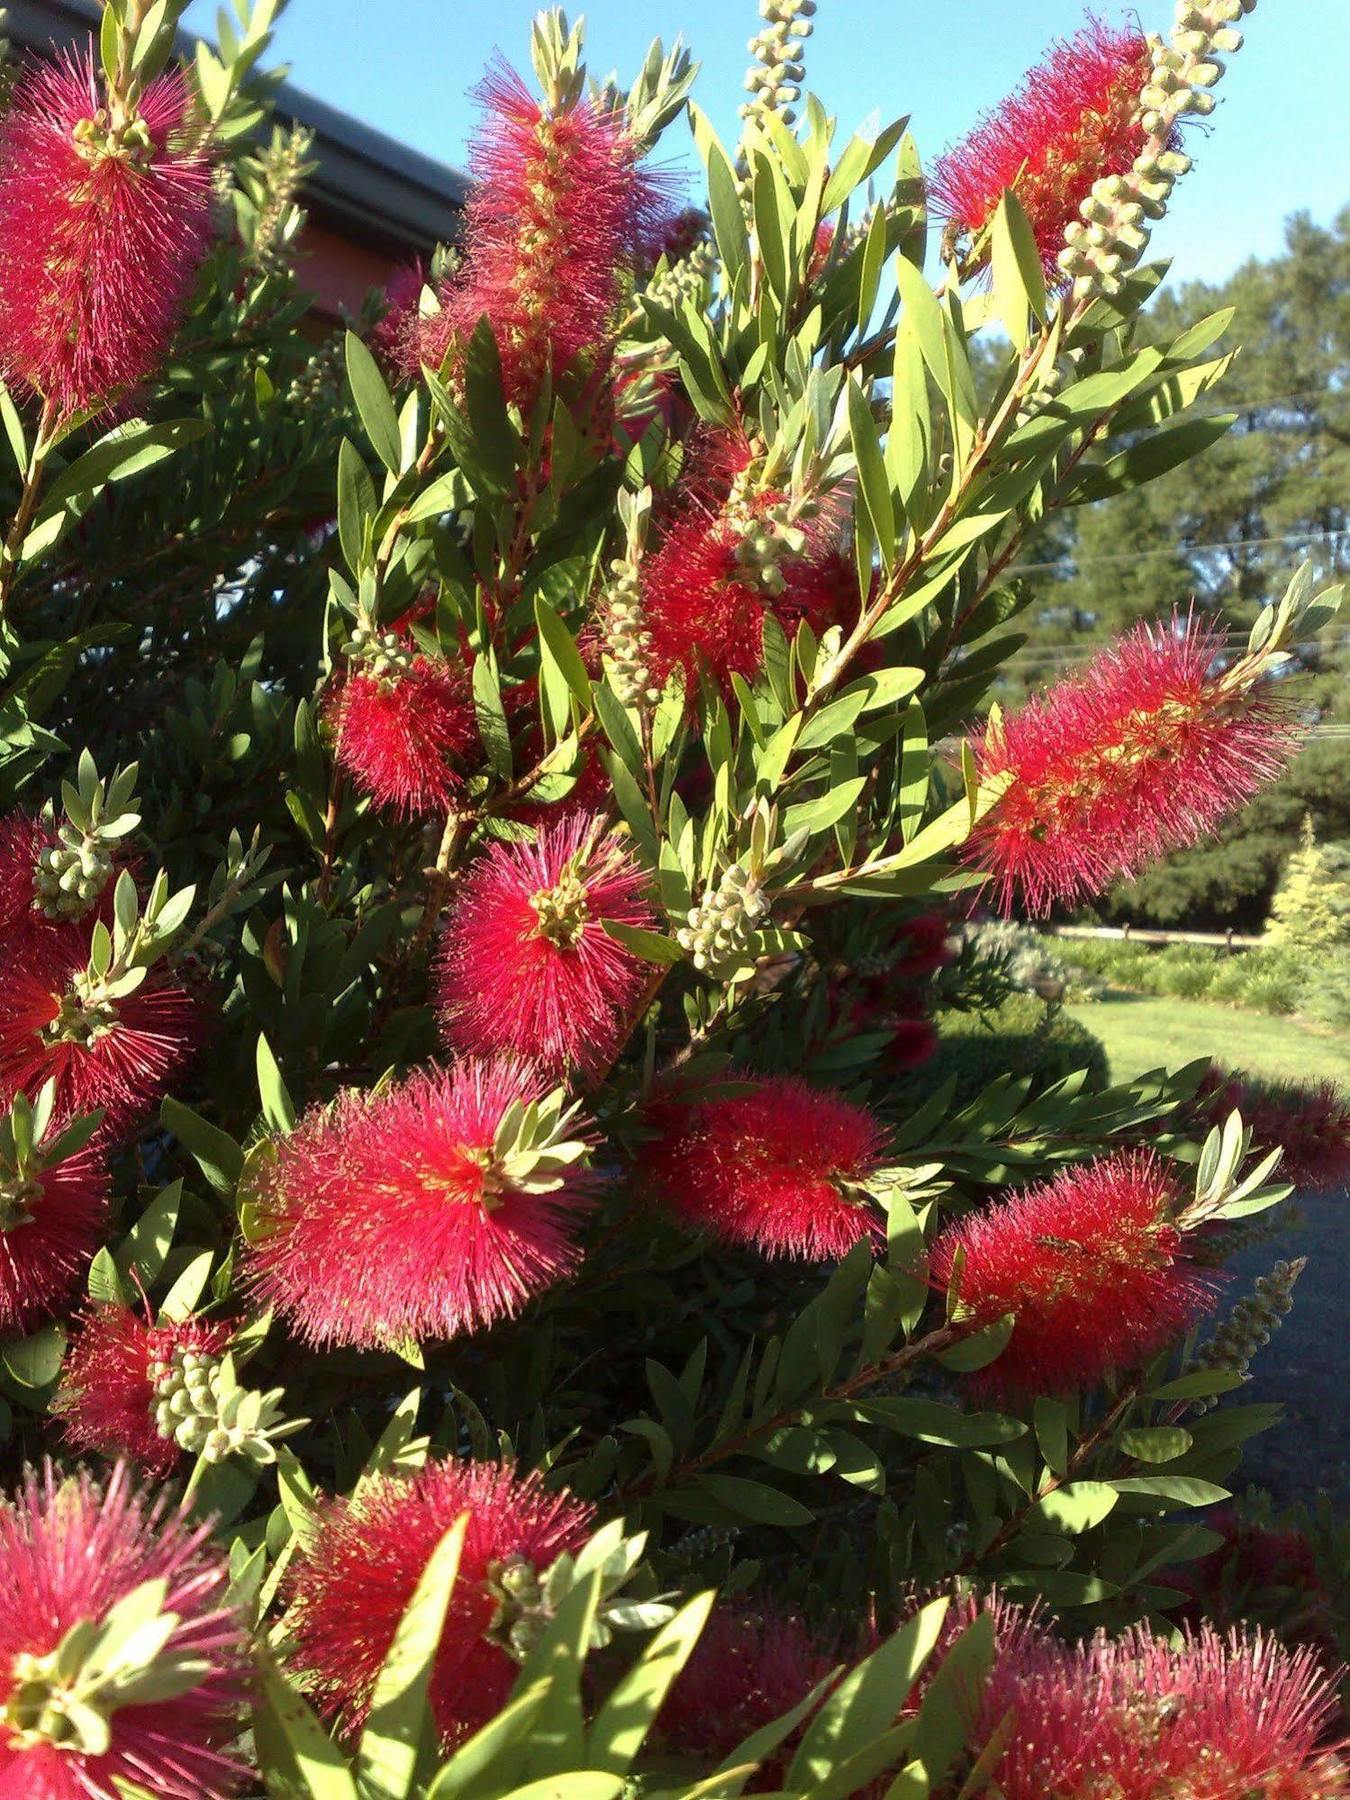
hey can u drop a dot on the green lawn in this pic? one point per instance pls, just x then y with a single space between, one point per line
1141 1032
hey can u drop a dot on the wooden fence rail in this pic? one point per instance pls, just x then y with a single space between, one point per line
1138 934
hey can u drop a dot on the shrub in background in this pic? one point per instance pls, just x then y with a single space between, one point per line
1311 908
452 1141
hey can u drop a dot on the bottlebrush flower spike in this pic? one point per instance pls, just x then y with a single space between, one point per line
560 214
1310 1122
785 1168
111 1385
747 1669
118 1056
738 552
23 838
1212 1717
119 1659
1143 753
357 1573
431 1210
526 966
1075 118
102 225
53 1208
401 720
1091 1267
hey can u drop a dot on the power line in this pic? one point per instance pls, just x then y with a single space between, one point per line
1114 556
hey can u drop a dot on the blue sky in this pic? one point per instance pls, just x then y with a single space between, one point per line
1281 140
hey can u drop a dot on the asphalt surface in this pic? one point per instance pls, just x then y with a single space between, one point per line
1306 1365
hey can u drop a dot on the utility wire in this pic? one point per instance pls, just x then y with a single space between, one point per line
1114 556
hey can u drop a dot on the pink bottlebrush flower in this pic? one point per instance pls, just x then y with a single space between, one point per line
1311 1122
1072 120
52 1217
1140 1718
1143 753
118 1056
1091 1267
390 1218
356 1574
747 1669
526 966
106 1399
914 1042
560 213
784 1168
70 1554
101 233
400 731
393 339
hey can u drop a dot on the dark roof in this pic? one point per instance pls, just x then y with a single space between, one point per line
368 187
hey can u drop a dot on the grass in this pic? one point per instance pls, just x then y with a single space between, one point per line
1143 1032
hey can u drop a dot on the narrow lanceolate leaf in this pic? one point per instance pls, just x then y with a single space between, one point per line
872 478
399 1737
374 403
1019 281
284 1722
630 1711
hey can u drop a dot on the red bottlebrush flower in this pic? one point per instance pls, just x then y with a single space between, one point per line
1090 1265
51 1222
1139 1718
746 1670
106 1399
399 722
119 1055
526 965
100 233
1311 1123
924 945
559 212
913 1043
355 1577
730 560
390 1218
1071 121
70 1555
783 1168
1144 752
23 838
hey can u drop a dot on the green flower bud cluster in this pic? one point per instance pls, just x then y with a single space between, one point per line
200 1404
522 1614
775 78
72 873
627 642
1252 1322
68 1697
1110 237
383 654
686 278
769 533
70 876
720 932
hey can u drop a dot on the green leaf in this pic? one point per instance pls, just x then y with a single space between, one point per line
147 1244
867 1699
1019 281
649 945
355 503
278 1108
182 1298
950 1708
283 1712
756 1501
124 451
35 1361
218 1156
399 1732
932 1423
479 1762
872 478
105 1282
575 1784
558 643
374 403
1156 1443
1075 1507
622 1724
1184 1490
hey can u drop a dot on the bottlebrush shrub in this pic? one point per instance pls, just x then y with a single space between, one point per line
473 1126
